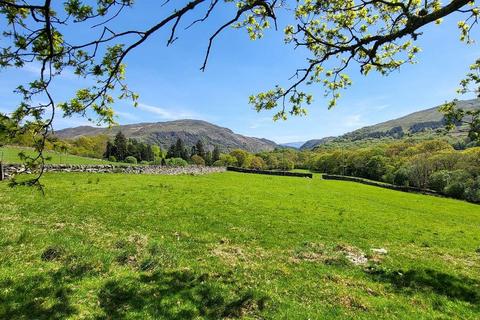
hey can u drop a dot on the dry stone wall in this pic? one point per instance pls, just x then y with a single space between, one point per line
13 169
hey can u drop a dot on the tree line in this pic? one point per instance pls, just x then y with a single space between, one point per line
133 151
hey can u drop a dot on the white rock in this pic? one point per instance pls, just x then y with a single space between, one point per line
380 251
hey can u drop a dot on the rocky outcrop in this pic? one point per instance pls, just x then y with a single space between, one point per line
14 169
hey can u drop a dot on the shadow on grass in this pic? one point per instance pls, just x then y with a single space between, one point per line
177 295
36 297
167 295
428 280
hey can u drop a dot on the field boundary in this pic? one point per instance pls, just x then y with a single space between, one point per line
11 170
381 184
270 172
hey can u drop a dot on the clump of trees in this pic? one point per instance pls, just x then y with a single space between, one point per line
197 154
130 150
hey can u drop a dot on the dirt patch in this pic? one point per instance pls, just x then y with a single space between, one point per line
233 255
353 254
338 255
352 303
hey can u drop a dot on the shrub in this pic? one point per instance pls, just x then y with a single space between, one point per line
455 189
157 162
112 159
144 162
218 163
400 177
131 160
197 160
439 180
257 163
457 184
176 162
472 192
226 160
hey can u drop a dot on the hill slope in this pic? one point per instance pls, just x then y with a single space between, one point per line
414 123
166 133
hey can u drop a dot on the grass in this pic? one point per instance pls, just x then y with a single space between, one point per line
10 155
234 245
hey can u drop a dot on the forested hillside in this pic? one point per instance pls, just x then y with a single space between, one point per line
425 122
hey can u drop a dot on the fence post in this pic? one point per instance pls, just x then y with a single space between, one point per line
1 171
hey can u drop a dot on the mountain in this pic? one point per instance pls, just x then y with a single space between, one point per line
411 124
166 133
295 145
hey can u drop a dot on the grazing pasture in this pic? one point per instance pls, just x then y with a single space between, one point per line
232 245
10 155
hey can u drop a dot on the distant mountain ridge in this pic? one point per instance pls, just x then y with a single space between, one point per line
166 133
414 123
295 145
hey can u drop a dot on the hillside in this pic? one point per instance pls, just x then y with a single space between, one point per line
166 133
411 124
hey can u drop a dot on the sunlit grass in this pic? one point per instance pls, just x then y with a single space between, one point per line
234 245
10 155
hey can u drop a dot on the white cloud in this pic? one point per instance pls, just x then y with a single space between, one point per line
260 122
166 114
35 69
127 116
354 121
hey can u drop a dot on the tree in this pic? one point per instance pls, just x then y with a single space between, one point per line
196 159
120 143
376 35
242 156
257 163
216 154
200 149
157 152
208 158
171 151
180 151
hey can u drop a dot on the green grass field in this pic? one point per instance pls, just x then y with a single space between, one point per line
234 245
10 155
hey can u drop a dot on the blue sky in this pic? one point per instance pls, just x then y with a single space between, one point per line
172 87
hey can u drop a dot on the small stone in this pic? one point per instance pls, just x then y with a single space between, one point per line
380 251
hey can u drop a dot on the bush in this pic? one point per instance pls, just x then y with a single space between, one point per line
176 162
457 184
472 192
439 180
144 162
257 163
197 160
131 160
112 159
157 162
400 177
226 160
455 189
218 163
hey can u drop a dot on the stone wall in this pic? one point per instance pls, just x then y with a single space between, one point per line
13 169
272 172
379 184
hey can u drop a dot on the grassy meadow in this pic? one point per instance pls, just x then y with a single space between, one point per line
231 245
10 155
